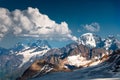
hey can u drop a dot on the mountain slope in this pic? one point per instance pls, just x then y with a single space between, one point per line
91 50
92 40
108 70
20 57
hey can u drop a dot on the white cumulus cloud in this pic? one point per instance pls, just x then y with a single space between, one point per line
93 27
32 23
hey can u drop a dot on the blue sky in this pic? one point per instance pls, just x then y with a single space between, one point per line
80 15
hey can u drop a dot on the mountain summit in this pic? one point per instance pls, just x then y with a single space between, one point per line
90 40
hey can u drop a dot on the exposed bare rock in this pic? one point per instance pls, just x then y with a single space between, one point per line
77 57
39 68
80 49
114 60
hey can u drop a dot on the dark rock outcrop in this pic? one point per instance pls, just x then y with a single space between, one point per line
114 60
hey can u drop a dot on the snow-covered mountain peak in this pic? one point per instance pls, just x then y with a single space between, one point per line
92 40
111 42
33 51
89 39
26 53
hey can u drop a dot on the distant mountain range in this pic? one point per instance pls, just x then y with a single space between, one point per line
89 50
94 41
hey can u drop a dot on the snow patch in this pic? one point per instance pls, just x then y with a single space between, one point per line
77 60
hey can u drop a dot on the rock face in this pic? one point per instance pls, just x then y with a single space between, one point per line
32 70
81 50
77 57
114 60
39 68
90 40
108 70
